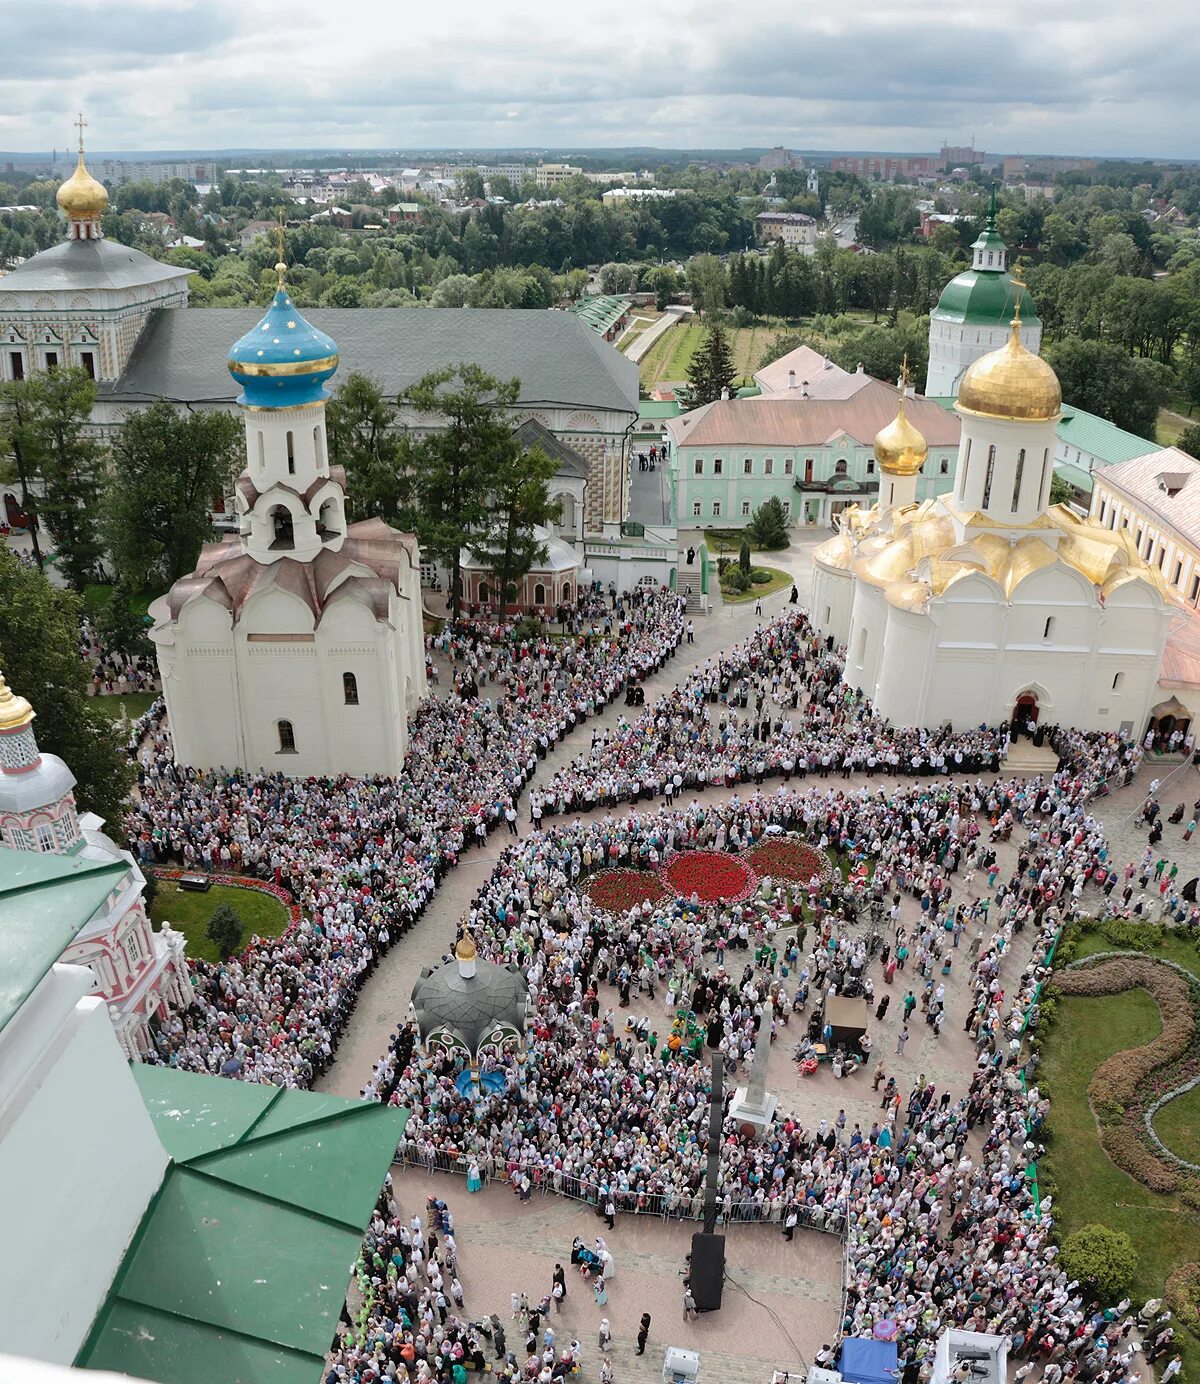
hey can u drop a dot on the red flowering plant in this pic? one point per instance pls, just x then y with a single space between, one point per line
790 860
618 891
712 876
260 886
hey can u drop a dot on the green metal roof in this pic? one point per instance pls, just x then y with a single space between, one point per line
45 900
1100 438
651 410
239 1269
983 296
602 310
1077 476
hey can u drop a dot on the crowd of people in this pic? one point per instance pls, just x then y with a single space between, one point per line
599 1109
363 856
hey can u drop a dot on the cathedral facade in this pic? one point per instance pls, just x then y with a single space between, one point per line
296 646
987 603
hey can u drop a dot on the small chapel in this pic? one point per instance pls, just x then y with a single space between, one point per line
297 645
142 974
987 603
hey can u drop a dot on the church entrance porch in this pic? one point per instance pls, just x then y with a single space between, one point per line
1169 724
1025 714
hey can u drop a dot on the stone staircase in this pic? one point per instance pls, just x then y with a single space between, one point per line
1028 760
685 576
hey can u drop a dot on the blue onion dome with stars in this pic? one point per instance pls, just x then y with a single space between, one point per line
283 362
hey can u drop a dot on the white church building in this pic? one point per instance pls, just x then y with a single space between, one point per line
986 603
296 646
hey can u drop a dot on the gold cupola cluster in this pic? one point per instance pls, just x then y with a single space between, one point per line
82 197
1011 383
900 448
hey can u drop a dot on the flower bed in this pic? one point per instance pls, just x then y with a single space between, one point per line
620 890
713 876
790 860
260 886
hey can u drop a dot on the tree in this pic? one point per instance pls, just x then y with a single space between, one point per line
1102 1259
71 464
452 465
225 929
768 526
168 470
706 283
711 370
1101 378
744 557
1060 491
1189 441
518 499
39 653
122 627
360 427
22 443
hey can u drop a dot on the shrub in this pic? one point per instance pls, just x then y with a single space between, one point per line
760 576
1123 932
225 930
735 580
1103 1259
1183 1295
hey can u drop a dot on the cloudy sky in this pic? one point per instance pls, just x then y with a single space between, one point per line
1078 76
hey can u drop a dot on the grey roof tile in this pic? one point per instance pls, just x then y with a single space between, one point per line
84 264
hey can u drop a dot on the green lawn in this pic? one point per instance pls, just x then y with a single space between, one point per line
134 704
1086 1032
96 595
779 580
189 914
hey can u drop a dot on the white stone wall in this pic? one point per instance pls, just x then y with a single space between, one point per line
953 346
832 597
68 1102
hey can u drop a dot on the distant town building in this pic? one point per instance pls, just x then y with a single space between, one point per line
516 173
779 157
636 194
953 154
814 182
404 211
554 174
251 231
886 166
792 227
1042 167
155 171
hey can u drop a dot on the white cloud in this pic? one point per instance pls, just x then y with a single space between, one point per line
1026 76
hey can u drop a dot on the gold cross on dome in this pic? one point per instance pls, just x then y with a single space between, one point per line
904 374
1018 283
280 263
81 125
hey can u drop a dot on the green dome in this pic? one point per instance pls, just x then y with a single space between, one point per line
985 298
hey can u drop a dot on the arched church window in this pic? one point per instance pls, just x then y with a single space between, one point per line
327 519
45 836
281 518
291 454
566 591
840 467
350 689
1049 629
539 594
987 478
287 737
317 446
1044 483
484 594
1016 495
262 450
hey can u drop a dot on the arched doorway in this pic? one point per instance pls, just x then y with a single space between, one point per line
1169 724
1025 712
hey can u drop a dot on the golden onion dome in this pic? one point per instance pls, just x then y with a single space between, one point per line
1011 383
81 197
465 950
14 711
900 448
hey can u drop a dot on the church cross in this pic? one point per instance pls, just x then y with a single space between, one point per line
81 125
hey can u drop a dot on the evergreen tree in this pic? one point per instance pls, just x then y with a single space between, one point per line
121 626
768 527
168 470
39 655
452 465
711 370
744 557
518 499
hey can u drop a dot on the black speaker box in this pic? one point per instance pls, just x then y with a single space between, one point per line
708 1270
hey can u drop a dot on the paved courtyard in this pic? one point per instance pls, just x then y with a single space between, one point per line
783 1299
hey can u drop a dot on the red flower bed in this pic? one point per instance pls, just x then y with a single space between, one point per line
620 890
790 860
710 875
